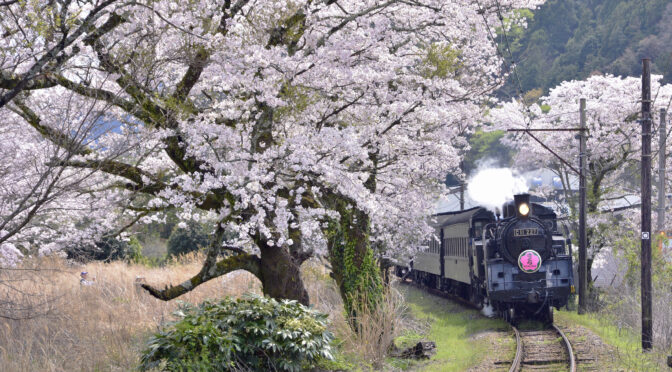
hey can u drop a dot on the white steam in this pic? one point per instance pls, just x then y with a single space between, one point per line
488 311
492 187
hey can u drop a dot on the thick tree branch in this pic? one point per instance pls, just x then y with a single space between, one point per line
57 137
192 75
10 82
53 54
210 201
113 167
99 94
247 262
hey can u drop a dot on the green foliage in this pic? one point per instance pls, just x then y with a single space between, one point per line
134 252
108 248
661 269
252 333
441 61
571 39
189 239
359 275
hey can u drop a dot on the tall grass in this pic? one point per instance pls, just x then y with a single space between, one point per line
377 328
100 327
103 327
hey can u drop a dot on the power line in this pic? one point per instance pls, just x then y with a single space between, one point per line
509 66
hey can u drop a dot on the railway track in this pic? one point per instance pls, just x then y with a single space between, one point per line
537 350
542 350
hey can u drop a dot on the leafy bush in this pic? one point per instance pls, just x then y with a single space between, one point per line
252 333
185 240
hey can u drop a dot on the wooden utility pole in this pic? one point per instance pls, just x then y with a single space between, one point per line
583 266
647 313
662 132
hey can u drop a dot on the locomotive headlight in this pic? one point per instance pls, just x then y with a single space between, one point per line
524 209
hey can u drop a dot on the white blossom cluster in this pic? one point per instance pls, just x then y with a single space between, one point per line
613 113
296 101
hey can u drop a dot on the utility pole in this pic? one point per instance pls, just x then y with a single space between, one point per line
662 132
647 313
583 267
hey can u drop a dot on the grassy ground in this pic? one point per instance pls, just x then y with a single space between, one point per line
454 328
628 354
101 327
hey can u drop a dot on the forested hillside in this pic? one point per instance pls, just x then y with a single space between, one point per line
572 39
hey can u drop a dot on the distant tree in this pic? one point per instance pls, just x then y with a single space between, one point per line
108 248
569 39
185 239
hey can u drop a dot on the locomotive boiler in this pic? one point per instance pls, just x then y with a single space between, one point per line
518 264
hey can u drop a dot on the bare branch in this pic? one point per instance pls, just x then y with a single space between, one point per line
53 53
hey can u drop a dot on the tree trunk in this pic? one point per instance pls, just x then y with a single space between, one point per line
280 275
352 260
277 270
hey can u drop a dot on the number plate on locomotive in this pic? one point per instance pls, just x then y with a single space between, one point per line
525 232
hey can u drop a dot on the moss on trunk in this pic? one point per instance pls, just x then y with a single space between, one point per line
353 263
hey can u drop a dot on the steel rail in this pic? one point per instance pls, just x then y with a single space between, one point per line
515 366
568 345
517 361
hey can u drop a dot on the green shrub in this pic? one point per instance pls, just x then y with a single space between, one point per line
185 240
253 333
107 248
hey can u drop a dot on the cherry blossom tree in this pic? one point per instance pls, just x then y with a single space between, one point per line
289 125
43 206
613 144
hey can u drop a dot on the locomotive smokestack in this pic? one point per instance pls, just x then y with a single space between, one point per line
522 203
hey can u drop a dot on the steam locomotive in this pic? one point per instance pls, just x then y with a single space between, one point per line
517 264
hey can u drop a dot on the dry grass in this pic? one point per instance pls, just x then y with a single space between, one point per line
377 328
104 327
94 328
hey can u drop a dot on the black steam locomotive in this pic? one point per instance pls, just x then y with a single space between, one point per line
518 264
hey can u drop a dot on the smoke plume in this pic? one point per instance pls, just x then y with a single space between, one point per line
492 187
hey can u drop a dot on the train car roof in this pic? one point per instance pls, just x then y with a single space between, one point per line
449 218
